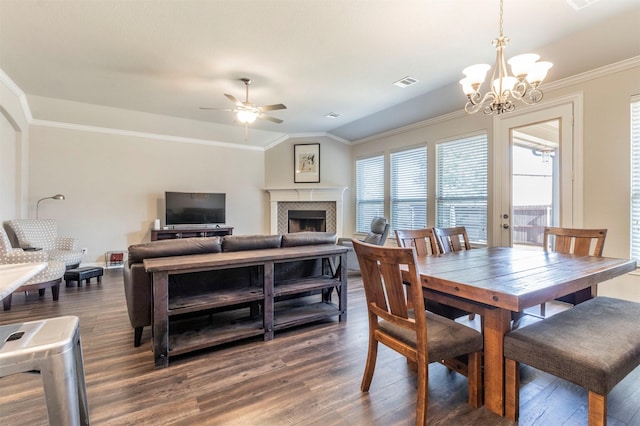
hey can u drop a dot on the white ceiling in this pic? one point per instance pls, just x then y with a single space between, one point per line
315 56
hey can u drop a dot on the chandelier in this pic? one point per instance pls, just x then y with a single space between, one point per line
524 85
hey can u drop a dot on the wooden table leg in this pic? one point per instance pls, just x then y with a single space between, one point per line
160 319
497 322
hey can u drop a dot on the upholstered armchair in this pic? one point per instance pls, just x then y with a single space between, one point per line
42 235
51 276
377 236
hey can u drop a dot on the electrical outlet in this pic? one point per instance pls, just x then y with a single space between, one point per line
84 250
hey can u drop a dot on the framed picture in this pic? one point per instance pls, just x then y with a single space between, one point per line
306 163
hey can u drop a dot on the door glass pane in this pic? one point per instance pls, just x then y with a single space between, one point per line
535 183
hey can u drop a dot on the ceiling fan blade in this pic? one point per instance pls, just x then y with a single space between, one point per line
233 99
216 109
272 107
270 118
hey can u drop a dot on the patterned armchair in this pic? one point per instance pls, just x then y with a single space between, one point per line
51 276
43 235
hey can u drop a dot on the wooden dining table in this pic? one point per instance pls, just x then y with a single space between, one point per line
494 282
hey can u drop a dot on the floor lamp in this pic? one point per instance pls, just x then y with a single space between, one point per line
54 197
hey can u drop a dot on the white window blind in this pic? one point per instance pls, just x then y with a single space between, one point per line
369 191
409 189
635 177
461 187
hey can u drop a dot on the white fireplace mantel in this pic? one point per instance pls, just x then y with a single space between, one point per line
331 194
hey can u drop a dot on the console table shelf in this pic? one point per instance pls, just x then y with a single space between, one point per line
179 305
187 336
292 316
237 316
290 287
172 234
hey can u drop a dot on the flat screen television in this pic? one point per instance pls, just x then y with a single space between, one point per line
194 208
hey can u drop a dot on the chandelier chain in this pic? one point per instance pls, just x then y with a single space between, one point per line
501 21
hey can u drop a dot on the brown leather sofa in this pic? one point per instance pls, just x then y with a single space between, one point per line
137 282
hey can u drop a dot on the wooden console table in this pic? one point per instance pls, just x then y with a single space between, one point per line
168 342
171 234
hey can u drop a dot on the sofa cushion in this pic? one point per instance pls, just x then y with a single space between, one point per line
250 242
177 247
308 239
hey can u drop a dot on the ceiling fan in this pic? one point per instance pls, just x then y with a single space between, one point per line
247 112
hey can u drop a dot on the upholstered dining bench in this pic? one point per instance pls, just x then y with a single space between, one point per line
595 345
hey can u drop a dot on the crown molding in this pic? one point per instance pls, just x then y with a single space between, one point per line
13 87
144 135
594 73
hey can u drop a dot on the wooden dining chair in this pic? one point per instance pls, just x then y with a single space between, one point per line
581 242
424 337
452 239
424 241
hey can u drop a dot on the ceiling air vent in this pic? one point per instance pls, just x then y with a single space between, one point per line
405 82
580 4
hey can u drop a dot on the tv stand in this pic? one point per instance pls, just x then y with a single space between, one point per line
172 234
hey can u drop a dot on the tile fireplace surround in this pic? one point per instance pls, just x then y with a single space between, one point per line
328 199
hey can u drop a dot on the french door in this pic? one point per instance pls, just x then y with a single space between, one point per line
535 174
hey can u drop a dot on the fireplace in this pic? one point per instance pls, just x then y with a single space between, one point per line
328 200
307 220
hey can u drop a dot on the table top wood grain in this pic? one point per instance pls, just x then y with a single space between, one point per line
515 279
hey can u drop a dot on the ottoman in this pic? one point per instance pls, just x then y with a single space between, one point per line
84 273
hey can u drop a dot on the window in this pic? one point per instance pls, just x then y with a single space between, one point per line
409 189
461 186
369 191
635 177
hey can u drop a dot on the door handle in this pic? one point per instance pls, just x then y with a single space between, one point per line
505 225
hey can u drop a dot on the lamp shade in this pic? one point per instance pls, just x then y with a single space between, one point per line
521 64
467 87
538 71
476 73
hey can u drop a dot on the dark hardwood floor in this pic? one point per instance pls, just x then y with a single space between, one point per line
306 376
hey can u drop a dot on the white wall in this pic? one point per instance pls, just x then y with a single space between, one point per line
114 184
8 168
14 144
607 159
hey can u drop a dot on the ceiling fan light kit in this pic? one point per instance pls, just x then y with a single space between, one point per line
504 89
247 112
